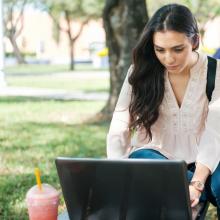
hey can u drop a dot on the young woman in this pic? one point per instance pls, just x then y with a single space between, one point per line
163 111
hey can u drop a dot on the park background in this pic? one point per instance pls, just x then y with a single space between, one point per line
63 69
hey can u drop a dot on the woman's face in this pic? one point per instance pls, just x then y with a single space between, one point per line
174 50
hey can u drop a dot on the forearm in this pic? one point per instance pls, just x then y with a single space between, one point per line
201 173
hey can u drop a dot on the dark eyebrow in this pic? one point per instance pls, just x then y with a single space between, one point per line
177 46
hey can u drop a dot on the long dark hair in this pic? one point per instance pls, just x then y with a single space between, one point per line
147 76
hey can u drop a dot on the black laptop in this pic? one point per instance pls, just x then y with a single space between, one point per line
128 189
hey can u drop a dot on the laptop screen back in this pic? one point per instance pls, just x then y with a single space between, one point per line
101 189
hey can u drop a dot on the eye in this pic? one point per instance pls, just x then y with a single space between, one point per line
178 50
159 50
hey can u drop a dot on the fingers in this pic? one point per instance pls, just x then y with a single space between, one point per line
194 202
194 196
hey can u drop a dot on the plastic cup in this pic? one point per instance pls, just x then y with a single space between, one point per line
42 204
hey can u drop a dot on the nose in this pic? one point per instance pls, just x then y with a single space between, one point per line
169 59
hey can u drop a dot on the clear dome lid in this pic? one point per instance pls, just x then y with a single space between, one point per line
46 193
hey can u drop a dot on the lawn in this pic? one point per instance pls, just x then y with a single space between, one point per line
33 133
61 81
26 69
57 77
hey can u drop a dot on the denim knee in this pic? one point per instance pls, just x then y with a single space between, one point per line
147 154
189 175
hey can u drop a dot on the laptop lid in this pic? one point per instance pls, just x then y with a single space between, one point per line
101 189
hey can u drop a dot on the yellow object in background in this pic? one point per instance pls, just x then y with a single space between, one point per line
103 52
207 50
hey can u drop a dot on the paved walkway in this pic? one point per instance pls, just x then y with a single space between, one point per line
56 94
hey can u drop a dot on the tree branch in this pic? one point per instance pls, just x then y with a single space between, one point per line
18 32
67 16
11 12
56 22
81 29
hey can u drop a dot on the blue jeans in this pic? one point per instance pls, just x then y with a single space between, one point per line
212 185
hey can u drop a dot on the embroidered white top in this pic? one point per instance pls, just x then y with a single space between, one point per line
190 132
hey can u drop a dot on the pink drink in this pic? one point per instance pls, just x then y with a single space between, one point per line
42 204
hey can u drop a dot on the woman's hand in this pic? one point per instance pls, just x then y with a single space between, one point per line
194 195
200 175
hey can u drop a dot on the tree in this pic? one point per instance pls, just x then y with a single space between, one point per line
123 22
77 10
13 19
204 11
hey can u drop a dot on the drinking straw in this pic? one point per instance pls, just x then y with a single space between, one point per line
37 174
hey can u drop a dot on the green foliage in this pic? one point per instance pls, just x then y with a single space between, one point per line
11 12
78 9
202 9
93 7
9 18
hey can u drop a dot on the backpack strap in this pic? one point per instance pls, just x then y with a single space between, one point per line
211 72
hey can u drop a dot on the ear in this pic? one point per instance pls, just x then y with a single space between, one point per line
195 42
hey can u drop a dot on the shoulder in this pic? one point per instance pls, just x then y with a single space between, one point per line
203 64
129 72
130 69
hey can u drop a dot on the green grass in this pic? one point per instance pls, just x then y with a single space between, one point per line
61 81
47 68
32 134
35 69
56 77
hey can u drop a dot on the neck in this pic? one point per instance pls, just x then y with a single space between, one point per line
195 58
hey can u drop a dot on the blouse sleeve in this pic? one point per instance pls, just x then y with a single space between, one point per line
209 147
118 137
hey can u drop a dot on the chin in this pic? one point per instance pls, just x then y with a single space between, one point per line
178 70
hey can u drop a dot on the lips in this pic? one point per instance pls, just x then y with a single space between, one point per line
172 67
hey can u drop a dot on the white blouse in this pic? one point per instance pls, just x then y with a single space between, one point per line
190 132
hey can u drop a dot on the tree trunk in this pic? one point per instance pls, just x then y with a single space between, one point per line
124 20
17 53
72 66
72 39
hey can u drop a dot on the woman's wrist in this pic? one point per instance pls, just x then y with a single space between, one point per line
201 173
198 185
